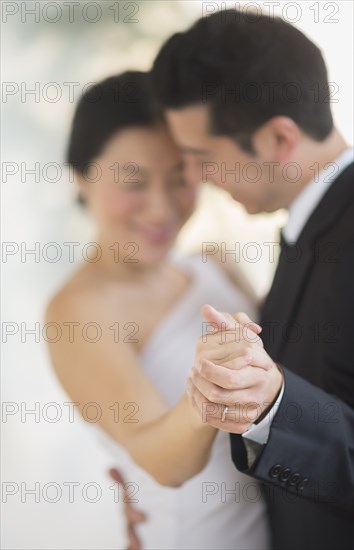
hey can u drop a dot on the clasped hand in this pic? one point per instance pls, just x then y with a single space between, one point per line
233 370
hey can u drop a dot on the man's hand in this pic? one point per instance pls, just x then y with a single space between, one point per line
132 515
232 370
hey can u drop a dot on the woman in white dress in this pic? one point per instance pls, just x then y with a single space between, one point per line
142 301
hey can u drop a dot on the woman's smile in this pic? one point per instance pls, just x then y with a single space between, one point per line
157 233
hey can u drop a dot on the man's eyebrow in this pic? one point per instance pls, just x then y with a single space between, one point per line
194 151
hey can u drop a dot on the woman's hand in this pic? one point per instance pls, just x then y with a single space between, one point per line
232 370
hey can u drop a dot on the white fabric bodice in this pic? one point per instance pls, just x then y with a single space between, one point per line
220 508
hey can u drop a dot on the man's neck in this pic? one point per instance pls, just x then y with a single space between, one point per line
311 194
313 158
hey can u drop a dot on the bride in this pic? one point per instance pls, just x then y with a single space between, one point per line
137 308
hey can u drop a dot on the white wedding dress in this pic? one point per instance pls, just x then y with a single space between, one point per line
219 508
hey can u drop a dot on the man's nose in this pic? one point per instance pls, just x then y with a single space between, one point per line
193 170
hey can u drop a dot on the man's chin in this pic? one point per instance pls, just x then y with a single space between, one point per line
250 208
259 208
253 208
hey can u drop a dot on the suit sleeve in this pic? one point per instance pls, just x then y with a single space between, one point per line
310 449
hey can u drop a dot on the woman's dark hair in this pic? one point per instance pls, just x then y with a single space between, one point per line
116 103
246 69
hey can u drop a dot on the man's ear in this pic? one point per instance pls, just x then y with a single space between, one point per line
277 139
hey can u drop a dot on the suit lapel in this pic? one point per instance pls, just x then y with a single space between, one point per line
296 262
278 311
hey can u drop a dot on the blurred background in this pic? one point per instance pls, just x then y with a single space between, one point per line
56 493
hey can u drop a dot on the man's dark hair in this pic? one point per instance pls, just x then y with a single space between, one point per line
246 70
114 104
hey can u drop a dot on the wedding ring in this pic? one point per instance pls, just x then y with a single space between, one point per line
224 413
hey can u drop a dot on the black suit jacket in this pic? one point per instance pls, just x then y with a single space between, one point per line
308 329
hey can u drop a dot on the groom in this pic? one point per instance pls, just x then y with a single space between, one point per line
251 96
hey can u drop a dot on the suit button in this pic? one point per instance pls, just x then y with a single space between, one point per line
293 479
275 470
285 474
302 484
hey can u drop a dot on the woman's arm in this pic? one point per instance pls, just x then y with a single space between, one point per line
171 445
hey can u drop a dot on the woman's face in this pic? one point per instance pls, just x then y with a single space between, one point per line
137 192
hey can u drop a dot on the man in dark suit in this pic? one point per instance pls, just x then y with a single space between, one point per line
247 99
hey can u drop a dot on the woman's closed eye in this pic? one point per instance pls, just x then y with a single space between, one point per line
134 185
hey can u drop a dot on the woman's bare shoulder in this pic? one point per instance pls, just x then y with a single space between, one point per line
77 295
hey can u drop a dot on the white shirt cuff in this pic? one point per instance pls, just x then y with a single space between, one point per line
260 432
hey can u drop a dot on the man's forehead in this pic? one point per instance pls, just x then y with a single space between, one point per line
189 127
196 114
